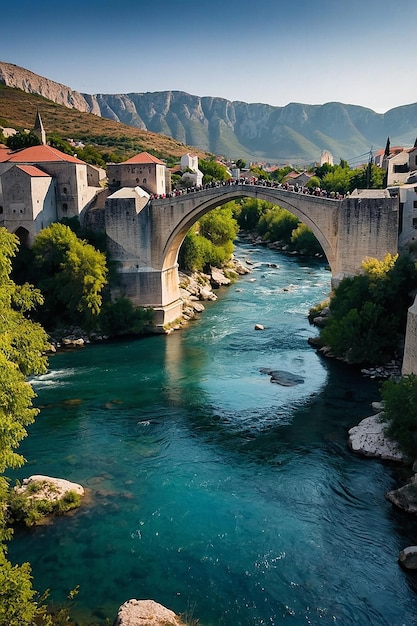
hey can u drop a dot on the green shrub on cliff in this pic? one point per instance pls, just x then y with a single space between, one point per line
368 312
400 412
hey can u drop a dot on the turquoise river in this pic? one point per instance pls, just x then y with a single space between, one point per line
210 489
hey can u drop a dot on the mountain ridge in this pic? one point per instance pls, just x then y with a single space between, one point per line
296 132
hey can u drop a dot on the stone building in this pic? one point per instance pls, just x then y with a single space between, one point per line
142 170
40 185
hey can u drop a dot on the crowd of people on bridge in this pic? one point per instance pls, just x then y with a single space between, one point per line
314 191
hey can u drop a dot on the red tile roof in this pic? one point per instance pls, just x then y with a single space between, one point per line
32 170
4 154
144 157
40 154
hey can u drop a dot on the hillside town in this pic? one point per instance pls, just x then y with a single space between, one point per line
41 184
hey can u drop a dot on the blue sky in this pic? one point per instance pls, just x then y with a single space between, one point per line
353 51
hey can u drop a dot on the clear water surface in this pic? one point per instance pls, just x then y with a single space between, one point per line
210 489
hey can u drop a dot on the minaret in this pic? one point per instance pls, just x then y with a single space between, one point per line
38 129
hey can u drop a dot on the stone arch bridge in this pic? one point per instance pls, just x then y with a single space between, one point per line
145 238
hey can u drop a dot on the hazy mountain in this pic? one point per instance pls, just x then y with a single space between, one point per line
295 132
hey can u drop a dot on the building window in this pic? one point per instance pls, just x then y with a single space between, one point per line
64 190
400 217
137 180
415 204
1 209
65 207
414 222
144 181
401 169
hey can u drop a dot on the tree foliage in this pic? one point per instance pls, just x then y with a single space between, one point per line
368 312
23 139
212 171
72 275
210 241
400 412
22 348
277 224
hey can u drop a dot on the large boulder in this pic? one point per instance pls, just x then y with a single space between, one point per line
405 498
146 613
369 439
408 557
48 488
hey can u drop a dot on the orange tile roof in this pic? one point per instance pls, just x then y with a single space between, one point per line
40 154
32 170
144 157
4 154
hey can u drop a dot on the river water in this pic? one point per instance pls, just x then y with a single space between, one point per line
210 489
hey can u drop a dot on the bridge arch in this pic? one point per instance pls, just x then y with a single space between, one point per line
175 239
145 239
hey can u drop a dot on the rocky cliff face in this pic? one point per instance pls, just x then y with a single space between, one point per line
296 132
15 76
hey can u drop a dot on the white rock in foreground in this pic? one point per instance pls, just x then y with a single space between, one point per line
51 489
146 613
368 438
408 557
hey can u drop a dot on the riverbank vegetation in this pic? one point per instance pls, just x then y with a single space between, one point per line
368 312
75 279
23 344
400 412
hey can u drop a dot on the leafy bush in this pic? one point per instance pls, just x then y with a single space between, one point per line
210 241
303 240
400 412
29 510
368 312
121 317
277 224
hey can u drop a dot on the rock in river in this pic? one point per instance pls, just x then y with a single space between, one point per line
281 377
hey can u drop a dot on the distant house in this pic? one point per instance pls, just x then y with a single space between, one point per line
142 170
297 178
40 185
326 157
398 163
407 218
195 176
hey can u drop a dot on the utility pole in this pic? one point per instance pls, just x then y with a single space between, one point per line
369 168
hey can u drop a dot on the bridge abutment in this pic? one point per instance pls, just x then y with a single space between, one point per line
367 227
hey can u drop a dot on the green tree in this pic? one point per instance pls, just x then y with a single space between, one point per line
219 226
72 275
368 312
213 171
23 139
400 412
339 180
314 182
22 352
277 225
303 240
249 211
57 142
241 164
360 177
90 154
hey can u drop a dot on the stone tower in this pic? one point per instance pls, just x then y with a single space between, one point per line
39 130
